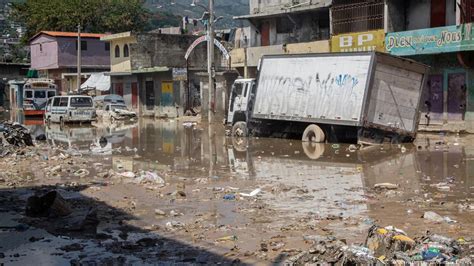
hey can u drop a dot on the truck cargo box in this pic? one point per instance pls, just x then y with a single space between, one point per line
371 90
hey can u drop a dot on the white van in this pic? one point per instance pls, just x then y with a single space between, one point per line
70 108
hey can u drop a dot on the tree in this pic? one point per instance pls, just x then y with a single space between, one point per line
94 15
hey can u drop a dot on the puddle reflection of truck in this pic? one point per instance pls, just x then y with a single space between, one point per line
315 177
353 97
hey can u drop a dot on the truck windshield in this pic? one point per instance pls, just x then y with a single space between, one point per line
81 102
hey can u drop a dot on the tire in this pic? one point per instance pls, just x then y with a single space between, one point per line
313 133
313 150
239 129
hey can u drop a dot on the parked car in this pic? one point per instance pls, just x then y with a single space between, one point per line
69 109
112 107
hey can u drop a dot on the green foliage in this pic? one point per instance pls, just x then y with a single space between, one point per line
95 15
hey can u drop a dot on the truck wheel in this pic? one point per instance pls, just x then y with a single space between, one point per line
313 133
240 129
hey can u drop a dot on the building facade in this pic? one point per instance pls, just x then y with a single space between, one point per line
440 34
54 55
152 74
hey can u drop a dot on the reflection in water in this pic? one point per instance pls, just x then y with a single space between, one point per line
327 176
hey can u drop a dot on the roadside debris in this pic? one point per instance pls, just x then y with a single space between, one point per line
388 186
386 245
434 217
251 194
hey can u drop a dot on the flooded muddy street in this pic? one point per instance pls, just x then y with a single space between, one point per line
173 192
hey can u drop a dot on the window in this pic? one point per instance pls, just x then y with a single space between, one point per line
284 25
40 94
41 47
125 51
107 46
28 94
81 102
56 101
117 51
63 102
51 94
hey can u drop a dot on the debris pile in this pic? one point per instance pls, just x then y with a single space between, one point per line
14 136
387 245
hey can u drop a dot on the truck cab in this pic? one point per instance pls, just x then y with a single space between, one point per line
241 102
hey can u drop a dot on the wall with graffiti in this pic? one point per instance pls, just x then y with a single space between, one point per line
329 87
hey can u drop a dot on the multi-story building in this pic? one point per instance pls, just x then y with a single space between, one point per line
152 72
440 34
279 27
435 32
54 55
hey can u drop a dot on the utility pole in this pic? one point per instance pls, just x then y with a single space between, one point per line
210 60
79 57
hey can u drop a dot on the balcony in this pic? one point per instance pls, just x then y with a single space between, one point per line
249 57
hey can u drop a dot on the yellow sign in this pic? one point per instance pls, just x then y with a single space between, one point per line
359 42
167 87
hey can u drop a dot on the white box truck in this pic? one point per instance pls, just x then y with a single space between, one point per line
365 97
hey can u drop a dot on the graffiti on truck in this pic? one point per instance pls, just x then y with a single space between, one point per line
297 96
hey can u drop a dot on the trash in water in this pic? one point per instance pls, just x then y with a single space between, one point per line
388 186
251 194
229 196
81 173
227 238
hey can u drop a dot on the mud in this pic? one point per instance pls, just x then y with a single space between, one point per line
205 211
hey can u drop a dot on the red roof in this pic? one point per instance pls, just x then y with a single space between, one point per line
68 34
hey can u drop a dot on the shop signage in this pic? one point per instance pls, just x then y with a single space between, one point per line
359 42
431 41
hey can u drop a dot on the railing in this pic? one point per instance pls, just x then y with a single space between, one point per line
348 16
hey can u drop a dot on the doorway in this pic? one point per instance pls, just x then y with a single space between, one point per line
150 95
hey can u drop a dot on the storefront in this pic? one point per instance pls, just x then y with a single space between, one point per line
446 103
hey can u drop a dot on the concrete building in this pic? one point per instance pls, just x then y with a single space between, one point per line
279 27
54 54
440 34
151 72
10 71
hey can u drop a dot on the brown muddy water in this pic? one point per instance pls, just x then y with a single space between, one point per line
199 216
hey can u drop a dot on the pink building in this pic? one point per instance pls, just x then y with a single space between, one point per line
54 54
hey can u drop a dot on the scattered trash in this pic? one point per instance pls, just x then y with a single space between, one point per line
175 225
16 134
128 174
227 238
160 212
251 194
81 173
434 217
384 246
151 177
229 196
388 186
